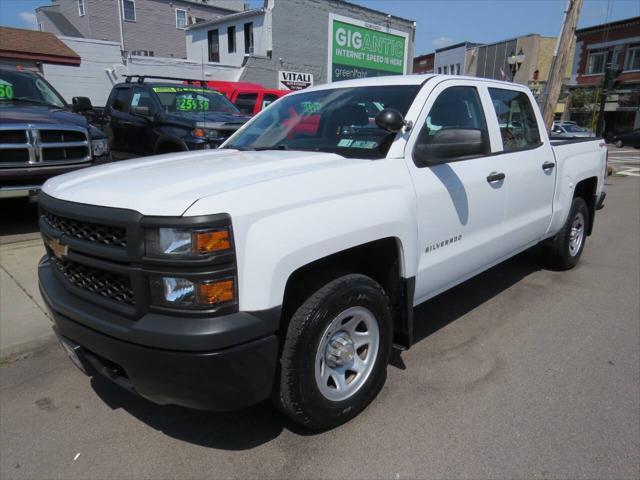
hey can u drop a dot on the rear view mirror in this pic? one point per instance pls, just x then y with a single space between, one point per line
142 111
449 144
81 104
390 119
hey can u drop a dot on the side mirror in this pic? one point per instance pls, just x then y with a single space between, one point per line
81 104
142 111
391 120
451 143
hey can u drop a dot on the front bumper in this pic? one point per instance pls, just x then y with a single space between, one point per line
198 370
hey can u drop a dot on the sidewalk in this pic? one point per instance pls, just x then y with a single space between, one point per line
24 322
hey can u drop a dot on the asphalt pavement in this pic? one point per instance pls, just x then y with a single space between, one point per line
520 372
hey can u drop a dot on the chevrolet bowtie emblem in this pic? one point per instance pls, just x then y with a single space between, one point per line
56 247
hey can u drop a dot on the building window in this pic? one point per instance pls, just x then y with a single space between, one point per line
446 70
248 37
632 62
81 8
439 70
595 62
181 18
129 10
214 46
457 69
231 39
452 70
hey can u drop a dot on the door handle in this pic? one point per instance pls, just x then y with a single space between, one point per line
548 166
495 177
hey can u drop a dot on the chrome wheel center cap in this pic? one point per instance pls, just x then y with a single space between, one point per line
340 350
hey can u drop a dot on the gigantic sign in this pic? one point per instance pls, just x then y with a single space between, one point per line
294 80
359 49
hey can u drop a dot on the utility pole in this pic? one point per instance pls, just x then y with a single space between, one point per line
560 59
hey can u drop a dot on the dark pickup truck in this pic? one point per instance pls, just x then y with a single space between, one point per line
41 136
148 118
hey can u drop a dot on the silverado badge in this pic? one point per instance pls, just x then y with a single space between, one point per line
56 247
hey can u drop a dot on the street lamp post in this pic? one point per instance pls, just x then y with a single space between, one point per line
515 62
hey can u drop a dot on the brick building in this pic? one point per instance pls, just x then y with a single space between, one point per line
619 43
424 63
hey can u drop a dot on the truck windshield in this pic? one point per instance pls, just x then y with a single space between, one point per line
16 86
338 120
193 99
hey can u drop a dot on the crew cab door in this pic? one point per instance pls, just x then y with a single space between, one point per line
529 167
140 136
460 198
117 107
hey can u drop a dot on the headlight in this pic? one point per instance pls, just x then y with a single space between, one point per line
184 243
206 133
181 292
100 147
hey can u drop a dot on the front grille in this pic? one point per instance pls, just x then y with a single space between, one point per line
106 284
61 136
12 136
68 153
32 144
90 232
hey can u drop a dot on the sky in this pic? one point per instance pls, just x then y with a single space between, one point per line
439 22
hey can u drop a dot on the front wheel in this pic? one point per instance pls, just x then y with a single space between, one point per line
619 144
564 250
336 352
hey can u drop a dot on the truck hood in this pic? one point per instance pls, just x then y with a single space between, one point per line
167 185
24 113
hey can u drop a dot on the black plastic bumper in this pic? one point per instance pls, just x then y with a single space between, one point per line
209 379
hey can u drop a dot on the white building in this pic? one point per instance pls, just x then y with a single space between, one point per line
451 60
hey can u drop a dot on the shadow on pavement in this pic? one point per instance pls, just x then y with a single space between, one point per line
241 430
254 426
18 216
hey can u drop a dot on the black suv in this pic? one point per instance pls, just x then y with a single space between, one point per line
148 118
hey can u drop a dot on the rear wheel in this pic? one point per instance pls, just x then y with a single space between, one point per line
336 352
564 250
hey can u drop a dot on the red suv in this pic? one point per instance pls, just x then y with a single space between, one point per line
248 97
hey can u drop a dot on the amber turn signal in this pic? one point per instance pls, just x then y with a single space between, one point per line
211 241
199 132
215 292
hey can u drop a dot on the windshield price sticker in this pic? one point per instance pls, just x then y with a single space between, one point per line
6 90
188 103
350 143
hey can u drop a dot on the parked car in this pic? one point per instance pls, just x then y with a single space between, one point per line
150 117
570 130
40 134
627 139
250 98
286 266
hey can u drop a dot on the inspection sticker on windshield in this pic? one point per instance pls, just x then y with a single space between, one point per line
364 144
6 90
183 89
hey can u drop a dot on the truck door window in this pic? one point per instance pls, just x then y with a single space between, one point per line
246 102
517 121
120 99
456 114
268 99
141 98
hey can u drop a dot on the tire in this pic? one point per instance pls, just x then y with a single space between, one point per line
316 388
564 250
619 143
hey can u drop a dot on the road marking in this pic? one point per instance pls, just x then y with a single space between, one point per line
630 172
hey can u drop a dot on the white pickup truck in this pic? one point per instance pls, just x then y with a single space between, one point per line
287 263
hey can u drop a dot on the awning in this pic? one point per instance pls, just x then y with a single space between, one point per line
45 47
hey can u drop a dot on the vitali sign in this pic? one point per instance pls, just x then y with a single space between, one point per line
294 80
359 49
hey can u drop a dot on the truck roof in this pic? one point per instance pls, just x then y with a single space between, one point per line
412 79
